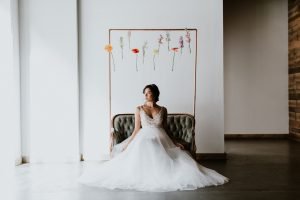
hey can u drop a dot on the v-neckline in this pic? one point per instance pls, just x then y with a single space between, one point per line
153 115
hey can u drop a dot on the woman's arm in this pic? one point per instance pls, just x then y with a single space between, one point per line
165 125
137 126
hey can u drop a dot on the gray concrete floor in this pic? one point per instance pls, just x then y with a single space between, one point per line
258 169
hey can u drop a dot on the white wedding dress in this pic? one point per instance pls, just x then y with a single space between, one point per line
151 162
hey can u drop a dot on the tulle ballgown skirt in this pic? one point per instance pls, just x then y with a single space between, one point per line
151 162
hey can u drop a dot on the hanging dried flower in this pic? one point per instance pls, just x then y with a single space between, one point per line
168 39
144 50
175 49
181 44
122 45
136 51
160 41
109 49
129 37
155 52
188 39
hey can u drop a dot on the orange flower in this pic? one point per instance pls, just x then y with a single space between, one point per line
175 49
108 48
135 50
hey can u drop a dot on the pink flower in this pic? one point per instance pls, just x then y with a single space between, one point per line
168 39
160 39
188 39
181 43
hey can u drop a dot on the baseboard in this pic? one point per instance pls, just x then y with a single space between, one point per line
256 136
210 156
102 157
198 157
294 136
25 159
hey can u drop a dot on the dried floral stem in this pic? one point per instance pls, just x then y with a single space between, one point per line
121 45
144 50
158 48
154 62
168 40
112 56
155 52
129 36
173 61
181 44
129 44
160 41
136 59
188 39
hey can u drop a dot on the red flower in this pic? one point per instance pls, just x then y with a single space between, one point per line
135 50
175 49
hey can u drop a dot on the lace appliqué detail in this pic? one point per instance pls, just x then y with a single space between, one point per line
147 121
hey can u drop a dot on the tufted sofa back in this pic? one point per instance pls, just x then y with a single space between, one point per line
181 126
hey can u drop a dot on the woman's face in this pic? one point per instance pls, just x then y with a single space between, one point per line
148 95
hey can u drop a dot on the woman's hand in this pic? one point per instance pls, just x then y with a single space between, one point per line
124 148
179 145
110 148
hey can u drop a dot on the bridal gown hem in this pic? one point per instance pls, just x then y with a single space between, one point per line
151 162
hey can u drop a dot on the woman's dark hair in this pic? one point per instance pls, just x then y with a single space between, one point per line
154 89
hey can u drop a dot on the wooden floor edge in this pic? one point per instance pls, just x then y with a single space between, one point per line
256 136
294 137
211 156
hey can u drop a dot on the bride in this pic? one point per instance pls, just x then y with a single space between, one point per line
149 160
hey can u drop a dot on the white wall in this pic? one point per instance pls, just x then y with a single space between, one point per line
96 17
256 66
9 82
16 61
9 97
256 80
49 78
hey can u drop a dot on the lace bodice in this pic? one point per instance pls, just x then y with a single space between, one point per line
147 121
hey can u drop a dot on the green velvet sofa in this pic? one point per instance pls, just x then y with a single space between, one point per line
181 128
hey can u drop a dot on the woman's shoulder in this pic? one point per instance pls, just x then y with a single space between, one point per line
140 107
